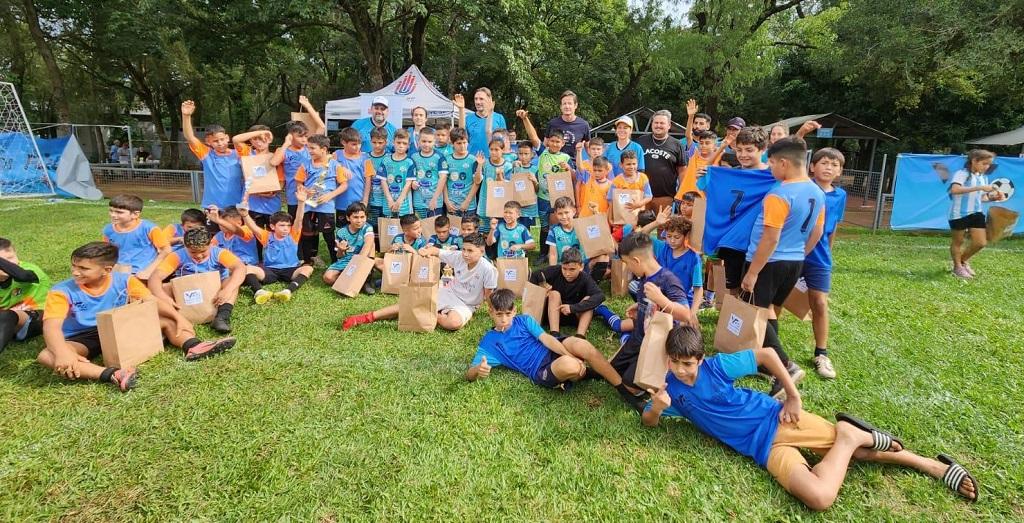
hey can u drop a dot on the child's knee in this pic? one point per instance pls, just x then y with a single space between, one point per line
568 368
330 277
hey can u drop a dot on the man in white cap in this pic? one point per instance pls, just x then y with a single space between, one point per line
623 142
378 118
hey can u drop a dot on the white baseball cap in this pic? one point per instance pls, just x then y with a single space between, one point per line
624 119
380 100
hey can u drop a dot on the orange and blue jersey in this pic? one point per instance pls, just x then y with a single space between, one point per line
796 207
638 183
257 202
181 263
332 175
280 253
242 245
835 207
137 246
78 307
293 159
361 167
222 176
376 179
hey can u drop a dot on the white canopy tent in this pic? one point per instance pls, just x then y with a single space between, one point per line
411 89
1014 137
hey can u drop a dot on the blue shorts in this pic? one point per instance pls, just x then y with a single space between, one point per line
817 278
526 221
543 211
422 212
545 377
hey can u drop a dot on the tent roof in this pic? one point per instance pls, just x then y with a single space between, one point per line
642 123
1014 137
842 126
412 86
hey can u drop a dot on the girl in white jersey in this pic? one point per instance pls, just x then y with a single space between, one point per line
968 189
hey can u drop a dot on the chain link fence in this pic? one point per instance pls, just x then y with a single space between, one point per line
149 183
866 191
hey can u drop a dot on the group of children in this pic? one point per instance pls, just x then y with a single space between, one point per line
251 242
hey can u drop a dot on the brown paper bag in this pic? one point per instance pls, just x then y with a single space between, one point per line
652 364
455 222
620 214
620 278
424 270
259 175
523 190
387 229
535 297
741 325
195 293
513 274
427 226
700 209
306 118
396 271
718 276
130 335
798 301
595 235
417 307
498 194
560 184
350 281
1001 222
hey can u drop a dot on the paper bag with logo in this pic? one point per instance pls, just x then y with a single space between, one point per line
259 175
417 307
620 214
350 281
396 271
498 194
130 335
594 234
620 278
513 274
195 293
523 190
388 228
1001 222
741 325
700 209
427 226
652 365
560 184
534 299
455 222
798 301
306 118
425 269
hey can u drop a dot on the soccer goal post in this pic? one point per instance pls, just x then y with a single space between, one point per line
22 170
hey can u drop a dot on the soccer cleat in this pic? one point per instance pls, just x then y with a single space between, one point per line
124 379
823 366
967 267
961 272
221 325
209 348
283 296
262 296
795 373
356 320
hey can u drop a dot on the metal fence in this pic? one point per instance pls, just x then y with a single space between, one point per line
153 184
865 204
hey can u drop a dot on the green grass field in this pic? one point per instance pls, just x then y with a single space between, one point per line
302 422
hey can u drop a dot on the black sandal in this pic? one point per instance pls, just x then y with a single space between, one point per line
955 475
882 440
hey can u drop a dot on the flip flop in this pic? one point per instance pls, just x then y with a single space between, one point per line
955 475
882 440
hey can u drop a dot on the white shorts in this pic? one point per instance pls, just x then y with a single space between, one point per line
448 301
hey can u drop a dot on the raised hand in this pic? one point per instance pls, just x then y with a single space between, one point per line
188 107
691 107
459 101
663 215
522 114
480 158
301 193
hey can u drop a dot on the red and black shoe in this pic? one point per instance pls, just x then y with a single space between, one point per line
209 348
124 379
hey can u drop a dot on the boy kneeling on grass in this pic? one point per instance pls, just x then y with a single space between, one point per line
702 390
69 319
521 344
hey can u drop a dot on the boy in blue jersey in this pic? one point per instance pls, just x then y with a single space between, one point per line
790 223
190 219
443 237
464 177
431 177
826 166
362 169
676 254
444 144
254 142
398 171
280 253
295 152
494 167
376 185
573 294
511 237
196 256
141 244
355 238
524 164
520 343
235 236
69 319
325 179
222 169
703 391
562 235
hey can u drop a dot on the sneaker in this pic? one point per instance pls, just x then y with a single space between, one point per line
368 289
356 320
795 373
961 272
283 296
262 296
124 379
823 366
209 348
221 325
969 270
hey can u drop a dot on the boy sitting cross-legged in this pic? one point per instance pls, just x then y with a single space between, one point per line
280 253
573 294
69 319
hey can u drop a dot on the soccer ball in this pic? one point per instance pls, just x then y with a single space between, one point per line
1003 186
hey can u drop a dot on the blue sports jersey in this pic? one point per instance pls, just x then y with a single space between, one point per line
187 265
835 206
265 204
236 243
428 174
445 150
292 160
733 203
518 348
687 267
279 253
670 286
743 419
805 202
377 184
452 242
490 172
505 238
135 246
83 307
356 242
562 239
357 168
460 180
476 127
365 126
614 155
223 183
326 177
396 173
417 244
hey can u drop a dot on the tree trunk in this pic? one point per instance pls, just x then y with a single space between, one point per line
419 39
369 34
60 101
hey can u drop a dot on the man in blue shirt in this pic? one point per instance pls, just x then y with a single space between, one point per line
702 390
480 123
379 118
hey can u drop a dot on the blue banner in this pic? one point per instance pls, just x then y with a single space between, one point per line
922 200
734 201
19 169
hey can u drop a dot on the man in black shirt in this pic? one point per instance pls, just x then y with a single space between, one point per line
664 159
573 295
573 128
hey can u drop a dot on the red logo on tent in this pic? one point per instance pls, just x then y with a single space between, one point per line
406 85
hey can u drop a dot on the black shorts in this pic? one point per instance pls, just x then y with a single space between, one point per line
340 218
317 222
624 361
292 209
545 376
775 281
735 266
975 220
90 339
272 275
263 220
33 326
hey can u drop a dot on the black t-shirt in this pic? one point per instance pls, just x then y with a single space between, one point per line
572 292
662 158
574 131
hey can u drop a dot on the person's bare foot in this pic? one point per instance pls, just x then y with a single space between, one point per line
948 471
846 431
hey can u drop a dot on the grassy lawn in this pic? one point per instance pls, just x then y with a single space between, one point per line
302 422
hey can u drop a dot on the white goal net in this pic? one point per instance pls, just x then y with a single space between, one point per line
22 170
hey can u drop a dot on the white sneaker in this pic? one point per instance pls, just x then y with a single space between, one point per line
823 366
